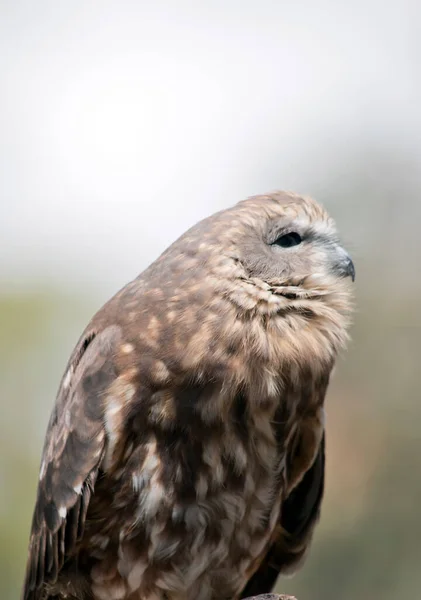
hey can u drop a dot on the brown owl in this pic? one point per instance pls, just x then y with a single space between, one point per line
184 457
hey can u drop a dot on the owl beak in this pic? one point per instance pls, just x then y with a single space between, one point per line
351 269
345 267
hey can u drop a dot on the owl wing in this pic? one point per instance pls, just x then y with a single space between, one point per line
299 514
73 450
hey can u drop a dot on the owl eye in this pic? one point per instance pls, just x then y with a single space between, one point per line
288 240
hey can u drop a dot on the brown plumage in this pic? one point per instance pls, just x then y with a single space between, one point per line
184 458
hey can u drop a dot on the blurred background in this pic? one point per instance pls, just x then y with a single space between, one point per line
122 124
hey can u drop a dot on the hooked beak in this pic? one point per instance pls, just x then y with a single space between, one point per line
344 267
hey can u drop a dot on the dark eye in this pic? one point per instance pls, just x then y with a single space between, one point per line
289 239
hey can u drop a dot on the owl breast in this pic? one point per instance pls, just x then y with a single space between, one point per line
194 510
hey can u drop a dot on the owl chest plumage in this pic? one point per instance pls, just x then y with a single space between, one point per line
194 505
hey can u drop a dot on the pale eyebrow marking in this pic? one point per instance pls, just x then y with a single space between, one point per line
322 230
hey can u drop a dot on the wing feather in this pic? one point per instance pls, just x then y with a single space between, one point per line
72 454
299 515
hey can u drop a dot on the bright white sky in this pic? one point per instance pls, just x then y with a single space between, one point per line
122 123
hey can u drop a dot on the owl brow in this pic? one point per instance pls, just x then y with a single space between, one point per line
322 235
